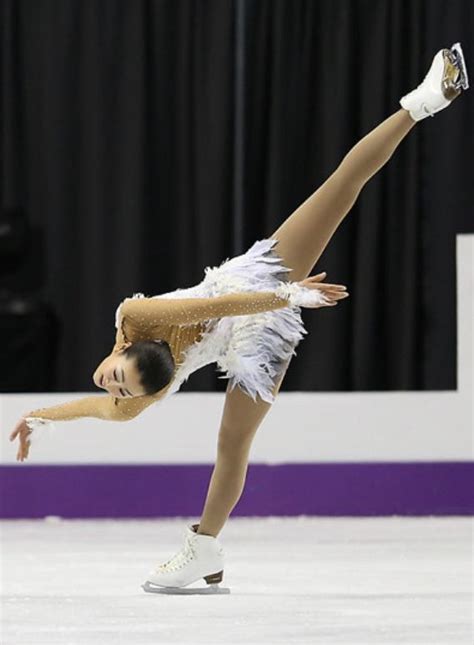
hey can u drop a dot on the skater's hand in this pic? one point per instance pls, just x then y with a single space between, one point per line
332 293
22 431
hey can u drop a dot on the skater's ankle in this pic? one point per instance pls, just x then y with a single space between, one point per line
201 531
408 117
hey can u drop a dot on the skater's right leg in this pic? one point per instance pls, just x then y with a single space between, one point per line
230 471
201 555
241 418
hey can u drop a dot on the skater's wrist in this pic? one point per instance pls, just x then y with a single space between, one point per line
38 426
300 296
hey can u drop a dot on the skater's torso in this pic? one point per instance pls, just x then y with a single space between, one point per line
179 339
191 322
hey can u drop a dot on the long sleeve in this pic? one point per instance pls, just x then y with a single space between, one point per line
99 407
119 335
185 311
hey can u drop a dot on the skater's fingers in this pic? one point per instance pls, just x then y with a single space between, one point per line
15 433
22 448
21 425
331 287
25 444
312 279
317 278
329 295
323 286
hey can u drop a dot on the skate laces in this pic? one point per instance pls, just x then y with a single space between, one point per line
180 559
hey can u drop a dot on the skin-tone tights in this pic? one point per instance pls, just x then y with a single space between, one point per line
301 240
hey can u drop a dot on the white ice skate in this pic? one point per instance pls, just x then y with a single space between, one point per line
202 556
444 81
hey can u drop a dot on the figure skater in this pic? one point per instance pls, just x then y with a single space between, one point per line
245 316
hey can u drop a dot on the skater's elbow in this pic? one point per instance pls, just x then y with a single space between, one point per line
122 413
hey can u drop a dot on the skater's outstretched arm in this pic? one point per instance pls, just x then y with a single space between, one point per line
310 293
107 408
182 311
144 311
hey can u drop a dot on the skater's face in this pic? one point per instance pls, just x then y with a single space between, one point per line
119 375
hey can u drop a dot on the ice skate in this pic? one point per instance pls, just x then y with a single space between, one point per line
445 80
201 557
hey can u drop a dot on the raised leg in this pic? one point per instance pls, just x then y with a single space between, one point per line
305 234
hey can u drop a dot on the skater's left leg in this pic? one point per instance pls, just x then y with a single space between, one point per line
241 419
304 235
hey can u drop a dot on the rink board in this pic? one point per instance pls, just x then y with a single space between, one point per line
421 489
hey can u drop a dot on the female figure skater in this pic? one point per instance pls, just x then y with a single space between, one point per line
245 316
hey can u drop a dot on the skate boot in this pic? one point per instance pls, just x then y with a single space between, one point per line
444 81
201 557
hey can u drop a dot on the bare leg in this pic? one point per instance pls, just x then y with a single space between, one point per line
302 239
307 231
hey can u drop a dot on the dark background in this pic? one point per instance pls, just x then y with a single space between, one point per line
146 140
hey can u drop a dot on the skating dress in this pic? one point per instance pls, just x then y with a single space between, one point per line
233 317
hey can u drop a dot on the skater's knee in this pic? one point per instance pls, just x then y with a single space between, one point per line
349 178
235 438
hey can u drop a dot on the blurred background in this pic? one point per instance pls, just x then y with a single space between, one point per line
143 141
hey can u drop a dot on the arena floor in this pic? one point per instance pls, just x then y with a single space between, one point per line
292 580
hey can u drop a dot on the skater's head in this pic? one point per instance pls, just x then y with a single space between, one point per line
136 369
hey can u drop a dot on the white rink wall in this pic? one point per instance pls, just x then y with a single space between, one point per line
301 427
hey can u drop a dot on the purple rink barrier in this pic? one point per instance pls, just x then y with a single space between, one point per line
326 489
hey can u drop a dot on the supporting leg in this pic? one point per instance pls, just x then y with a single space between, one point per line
307 231
240 421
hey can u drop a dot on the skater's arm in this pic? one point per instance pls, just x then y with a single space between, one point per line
311 293
100 407
107 408
150 311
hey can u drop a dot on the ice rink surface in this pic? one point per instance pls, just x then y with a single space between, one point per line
292 580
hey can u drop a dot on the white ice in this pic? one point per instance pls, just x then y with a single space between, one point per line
292 580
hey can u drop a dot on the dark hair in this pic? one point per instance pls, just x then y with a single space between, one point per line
154 361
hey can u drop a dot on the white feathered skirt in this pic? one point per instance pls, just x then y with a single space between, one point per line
252 351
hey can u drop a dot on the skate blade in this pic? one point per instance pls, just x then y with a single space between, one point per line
463 80
210 590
